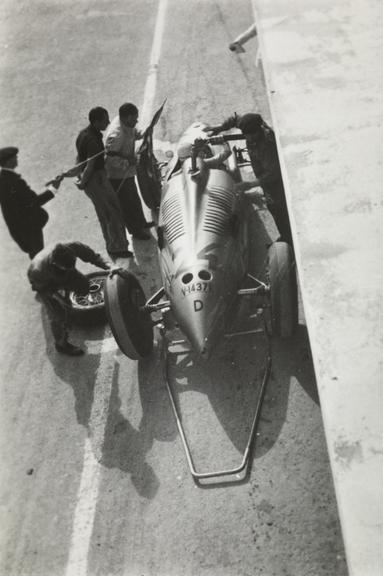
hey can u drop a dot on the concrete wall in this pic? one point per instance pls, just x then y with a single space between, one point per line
323 62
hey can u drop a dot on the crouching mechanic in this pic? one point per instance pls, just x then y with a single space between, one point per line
53 269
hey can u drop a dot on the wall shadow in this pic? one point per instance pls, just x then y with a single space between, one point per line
290 359
231 382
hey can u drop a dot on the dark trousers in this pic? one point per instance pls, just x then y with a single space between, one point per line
30 240
277 206
58 316
130 202
279 212
108 211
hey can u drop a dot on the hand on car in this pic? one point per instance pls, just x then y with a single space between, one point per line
212 130
216 140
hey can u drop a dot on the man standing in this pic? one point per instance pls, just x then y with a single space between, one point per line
93 180
21 206
121 168
53 269
263 153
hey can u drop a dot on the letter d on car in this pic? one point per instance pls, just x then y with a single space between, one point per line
198 305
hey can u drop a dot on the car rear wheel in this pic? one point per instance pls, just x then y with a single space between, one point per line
283 289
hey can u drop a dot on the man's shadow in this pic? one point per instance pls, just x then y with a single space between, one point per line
125 447
79 372
122 446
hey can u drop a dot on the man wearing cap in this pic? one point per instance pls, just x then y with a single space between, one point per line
21 206
53 269
263 153
120 166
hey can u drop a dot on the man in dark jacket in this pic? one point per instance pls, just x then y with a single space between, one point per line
21 206
263 153
93 180
53 270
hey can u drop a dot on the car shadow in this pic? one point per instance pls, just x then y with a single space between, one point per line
231 382
291 358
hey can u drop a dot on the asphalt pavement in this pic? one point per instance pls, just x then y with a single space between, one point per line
93 478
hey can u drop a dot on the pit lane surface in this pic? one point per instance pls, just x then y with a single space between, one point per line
94 479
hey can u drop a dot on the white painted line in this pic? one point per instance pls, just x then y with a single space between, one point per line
87 495
84 514
151 80
109 344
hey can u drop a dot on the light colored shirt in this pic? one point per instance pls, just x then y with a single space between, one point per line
121 139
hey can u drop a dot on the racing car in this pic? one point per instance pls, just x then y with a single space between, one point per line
203 246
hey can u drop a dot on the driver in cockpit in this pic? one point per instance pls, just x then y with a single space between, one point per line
203 150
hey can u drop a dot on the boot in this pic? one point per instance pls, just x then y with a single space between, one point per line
69 349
